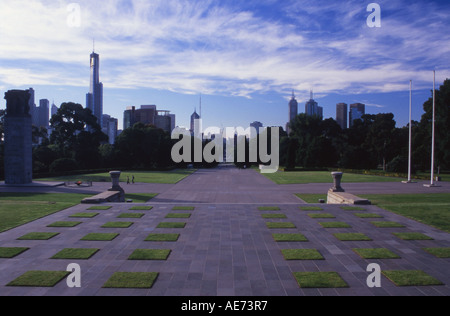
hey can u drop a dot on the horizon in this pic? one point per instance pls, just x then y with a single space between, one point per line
243 57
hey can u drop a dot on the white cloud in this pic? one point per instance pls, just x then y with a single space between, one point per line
193 46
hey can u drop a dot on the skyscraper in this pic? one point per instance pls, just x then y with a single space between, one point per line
341 115
312 108
195 124
293 107
94 99
357 110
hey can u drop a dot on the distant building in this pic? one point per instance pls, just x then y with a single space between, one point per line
312 108
149 115
54 109
94 99
195 124
357 110
341 115
109 127
257 126
293 108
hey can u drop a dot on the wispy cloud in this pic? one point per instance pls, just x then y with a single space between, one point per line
224 48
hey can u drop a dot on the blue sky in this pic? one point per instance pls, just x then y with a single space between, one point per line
243 57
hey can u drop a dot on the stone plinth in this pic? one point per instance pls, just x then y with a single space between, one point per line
337 178
115 178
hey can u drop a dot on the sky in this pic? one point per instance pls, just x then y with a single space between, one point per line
243 57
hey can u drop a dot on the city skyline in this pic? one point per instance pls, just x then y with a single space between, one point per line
242 57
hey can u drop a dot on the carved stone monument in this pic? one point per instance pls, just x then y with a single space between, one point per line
18 138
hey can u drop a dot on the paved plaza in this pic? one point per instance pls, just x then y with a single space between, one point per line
227 246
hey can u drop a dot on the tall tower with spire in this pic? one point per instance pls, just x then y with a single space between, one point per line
293 107
94 99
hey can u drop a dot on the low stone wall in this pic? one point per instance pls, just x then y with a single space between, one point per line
105 197
345 198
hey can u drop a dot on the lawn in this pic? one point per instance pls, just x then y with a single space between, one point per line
20 208
304 177
171 177
430 209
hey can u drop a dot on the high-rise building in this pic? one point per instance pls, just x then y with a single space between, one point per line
54 109
312 108
94 99
341 114
195 123
293 107
109 127
256 125
149 115
357 110
43 113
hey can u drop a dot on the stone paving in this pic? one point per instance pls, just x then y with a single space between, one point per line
226 247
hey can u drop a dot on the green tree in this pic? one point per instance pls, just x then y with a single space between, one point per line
77 135
143 146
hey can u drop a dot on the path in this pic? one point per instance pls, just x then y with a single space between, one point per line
226 247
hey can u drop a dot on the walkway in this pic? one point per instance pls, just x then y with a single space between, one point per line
226 247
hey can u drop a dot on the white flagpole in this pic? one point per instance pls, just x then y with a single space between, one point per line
410 131
433 132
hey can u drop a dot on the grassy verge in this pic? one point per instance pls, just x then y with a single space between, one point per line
170 177
20 208
304 177
430 209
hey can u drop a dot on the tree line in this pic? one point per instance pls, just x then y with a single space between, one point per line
372 142
77 143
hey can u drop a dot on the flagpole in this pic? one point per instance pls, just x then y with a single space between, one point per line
410 131
433 132
410 134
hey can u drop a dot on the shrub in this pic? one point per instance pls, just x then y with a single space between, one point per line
63 164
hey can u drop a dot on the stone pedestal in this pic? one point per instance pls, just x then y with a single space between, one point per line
337 178
115 178
18 139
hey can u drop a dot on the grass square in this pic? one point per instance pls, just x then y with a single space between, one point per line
268 208
171 225
84 215
269 216
162 237
352 237
11 252
117 225
141 208
131 215
289 237
352 208
183 208
367 215
64 224
335 225
319 280
132 280
311 208
75 253
273 225
38 236
375 253
178 215
301 254
412 236
321 215
99 208
439 252
387 225
150 254
410 278
99 237
39 279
